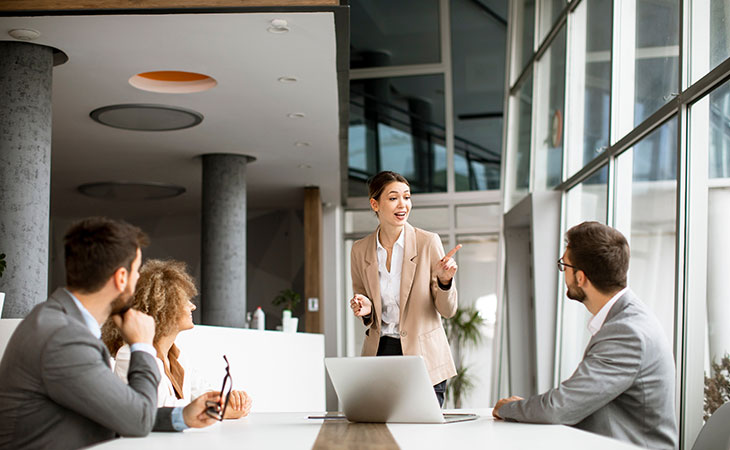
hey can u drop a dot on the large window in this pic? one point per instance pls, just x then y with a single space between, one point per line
388 33
519 141
586 201
710 36
550 114
646 149
478 91
589 83
398 124
645 212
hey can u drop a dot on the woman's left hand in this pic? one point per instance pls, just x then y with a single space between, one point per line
446 268
239 405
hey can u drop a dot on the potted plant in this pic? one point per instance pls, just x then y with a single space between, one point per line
463 330
288 299
717 386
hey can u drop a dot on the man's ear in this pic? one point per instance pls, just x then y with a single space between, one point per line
121 278
580 278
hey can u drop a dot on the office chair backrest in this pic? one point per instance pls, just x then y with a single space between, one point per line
715 435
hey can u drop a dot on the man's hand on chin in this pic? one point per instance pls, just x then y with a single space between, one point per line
503 402
195 415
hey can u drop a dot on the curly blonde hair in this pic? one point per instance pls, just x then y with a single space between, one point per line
163 289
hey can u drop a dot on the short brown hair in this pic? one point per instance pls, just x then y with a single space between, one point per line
163 289
96 247
601 252
376 184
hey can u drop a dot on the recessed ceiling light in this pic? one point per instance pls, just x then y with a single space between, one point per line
301 144
130 191
173 82
297 115
144 117
304 166
288 79
278 26
24 34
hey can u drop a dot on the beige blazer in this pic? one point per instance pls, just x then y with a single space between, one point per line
422 301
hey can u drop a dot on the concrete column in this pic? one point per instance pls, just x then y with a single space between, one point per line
25 173
223 240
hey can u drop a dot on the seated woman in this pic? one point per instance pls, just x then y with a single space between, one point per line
164 291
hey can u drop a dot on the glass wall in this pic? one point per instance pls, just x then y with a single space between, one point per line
521 135
586 201
388 33
710 36
404 117
645 149
645 212
589 83
478 91
398 124
550 113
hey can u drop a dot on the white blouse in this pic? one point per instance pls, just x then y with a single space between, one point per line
193 384
390 286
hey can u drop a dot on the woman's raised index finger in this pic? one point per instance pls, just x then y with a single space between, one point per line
452 252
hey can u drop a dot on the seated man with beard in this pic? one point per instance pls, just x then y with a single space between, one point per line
57 389
624 386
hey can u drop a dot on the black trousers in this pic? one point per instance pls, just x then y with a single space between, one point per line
390 346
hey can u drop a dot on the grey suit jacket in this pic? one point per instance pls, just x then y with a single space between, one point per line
623 387
58 391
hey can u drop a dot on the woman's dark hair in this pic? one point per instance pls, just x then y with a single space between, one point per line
377 183
96 247
601 252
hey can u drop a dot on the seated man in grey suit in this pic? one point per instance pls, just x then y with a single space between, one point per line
57 389
624 386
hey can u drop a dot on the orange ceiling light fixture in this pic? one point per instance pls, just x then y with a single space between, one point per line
173 82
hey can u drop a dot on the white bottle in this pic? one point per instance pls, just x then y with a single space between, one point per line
259 318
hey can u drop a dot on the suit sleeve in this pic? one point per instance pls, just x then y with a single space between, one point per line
446 301
608 369
358 284
77 377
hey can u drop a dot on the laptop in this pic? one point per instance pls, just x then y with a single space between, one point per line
394 389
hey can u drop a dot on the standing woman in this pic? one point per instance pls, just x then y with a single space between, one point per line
403 284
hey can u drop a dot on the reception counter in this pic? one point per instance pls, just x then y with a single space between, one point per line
281 371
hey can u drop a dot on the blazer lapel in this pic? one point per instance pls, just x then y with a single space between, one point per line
371 274
408 271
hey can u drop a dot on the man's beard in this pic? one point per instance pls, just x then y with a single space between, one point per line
122 303
576 293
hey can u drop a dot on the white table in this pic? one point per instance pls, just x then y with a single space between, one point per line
295 431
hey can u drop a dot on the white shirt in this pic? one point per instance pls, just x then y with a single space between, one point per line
596 322
193 384
95 329
390 286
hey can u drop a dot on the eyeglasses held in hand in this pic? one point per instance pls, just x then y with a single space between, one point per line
214 408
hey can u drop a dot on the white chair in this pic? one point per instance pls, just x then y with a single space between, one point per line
715 435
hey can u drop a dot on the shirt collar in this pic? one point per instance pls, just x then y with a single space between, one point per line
596 322
91 323
399 242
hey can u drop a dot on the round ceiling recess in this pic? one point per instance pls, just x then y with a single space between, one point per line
145 117
130 191
173 82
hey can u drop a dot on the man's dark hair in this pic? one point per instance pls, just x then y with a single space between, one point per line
96 247
601 252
